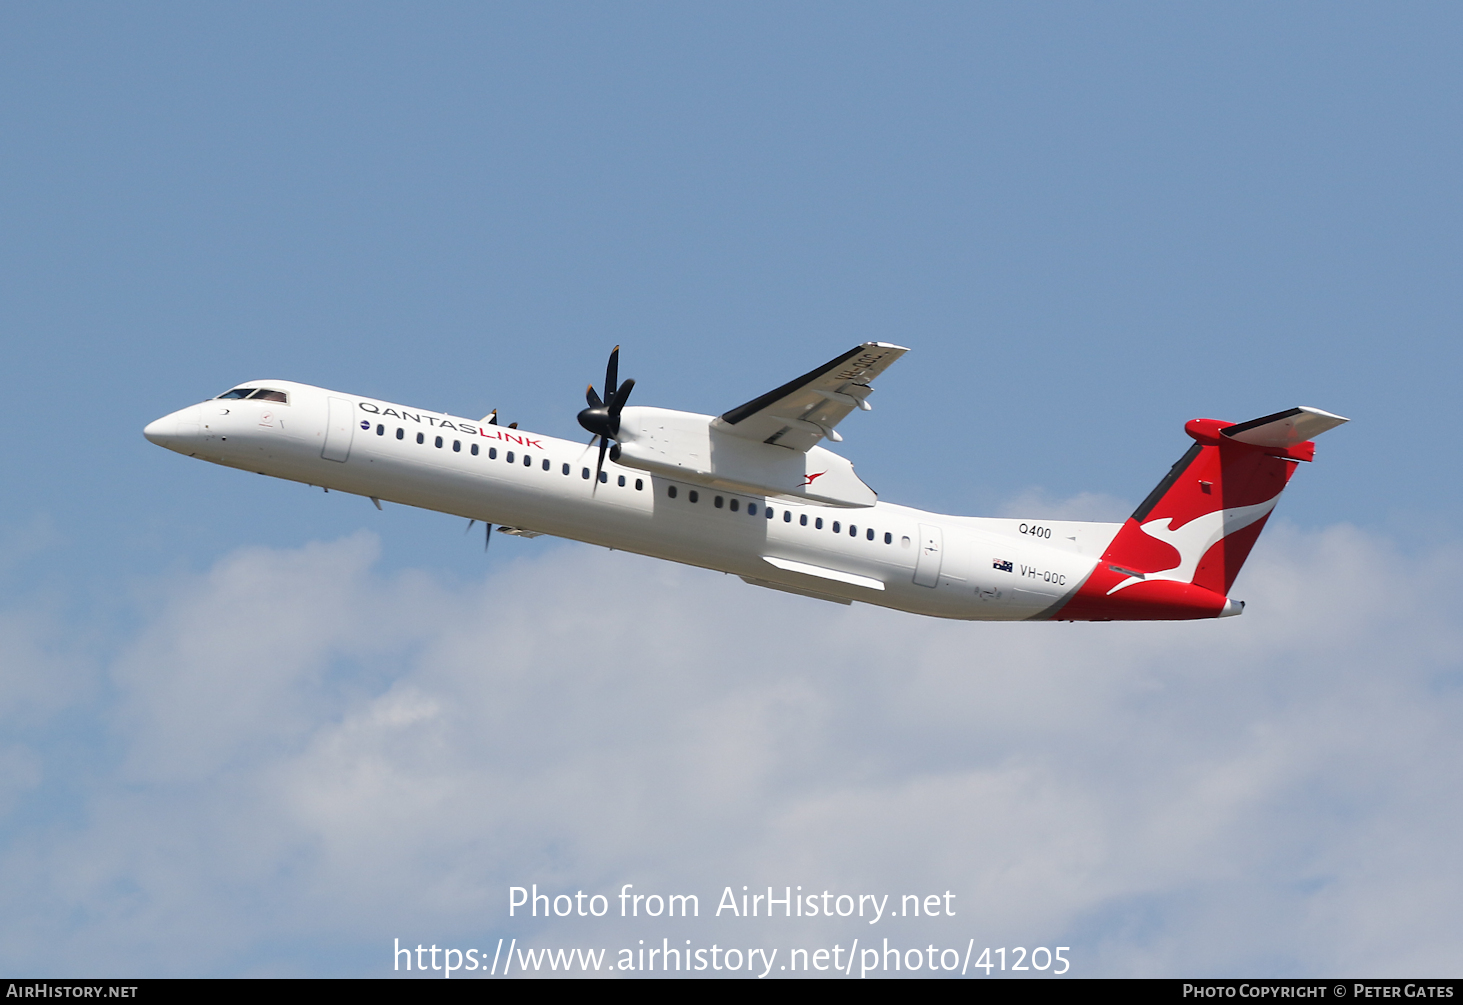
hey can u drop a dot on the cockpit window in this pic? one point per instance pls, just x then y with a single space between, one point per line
257 394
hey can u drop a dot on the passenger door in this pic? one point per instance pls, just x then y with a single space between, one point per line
340 427
931 553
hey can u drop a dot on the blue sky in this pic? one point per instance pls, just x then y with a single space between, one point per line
1090 223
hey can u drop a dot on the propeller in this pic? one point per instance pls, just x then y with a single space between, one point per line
602 417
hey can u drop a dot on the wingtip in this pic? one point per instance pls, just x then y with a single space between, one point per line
1322 413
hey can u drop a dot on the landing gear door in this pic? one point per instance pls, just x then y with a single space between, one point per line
931 553
339 429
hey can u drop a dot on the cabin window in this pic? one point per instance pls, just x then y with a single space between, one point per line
751 509
546 464
474 449
888 538
380 430
584 473
870 535
818 523
400 432
527 461
694 496
803 519
457 446
671 491
604 477
267 395
509 457
421 438
622 481
836 526
735 505
639 484
238 392
770 512
566 469
492 453
439 443
852 531
718 502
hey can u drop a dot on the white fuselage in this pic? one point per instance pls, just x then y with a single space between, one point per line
925 563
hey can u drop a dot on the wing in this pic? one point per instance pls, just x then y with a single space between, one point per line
801 412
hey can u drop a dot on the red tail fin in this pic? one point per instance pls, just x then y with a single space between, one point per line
1178 554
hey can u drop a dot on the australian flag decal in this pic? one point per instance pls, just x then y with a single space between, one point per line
1001 565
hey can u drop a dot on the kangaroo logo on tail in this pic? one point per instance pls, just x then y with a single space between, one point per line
1195 538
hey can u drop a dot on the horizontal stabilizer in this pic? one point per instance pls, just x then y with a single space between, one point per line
1289 428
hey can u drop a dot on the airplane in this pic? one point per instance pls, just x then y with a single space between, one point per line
752 492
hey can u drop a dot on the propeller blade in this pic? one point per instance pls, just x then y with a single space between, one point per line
493 418
592 396
487 536
612 374
469 527
621 396
604 446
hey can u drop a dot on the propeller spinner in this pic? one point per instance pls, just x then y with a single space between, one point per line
602 417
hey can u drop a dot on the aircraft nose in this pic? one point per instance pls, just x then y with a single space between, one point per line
159 431
176 431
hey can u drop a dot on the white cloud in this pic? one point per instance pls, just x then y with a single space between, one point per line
305 752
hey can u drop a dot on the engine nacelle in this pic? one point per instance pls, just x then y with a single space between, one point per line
683 445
